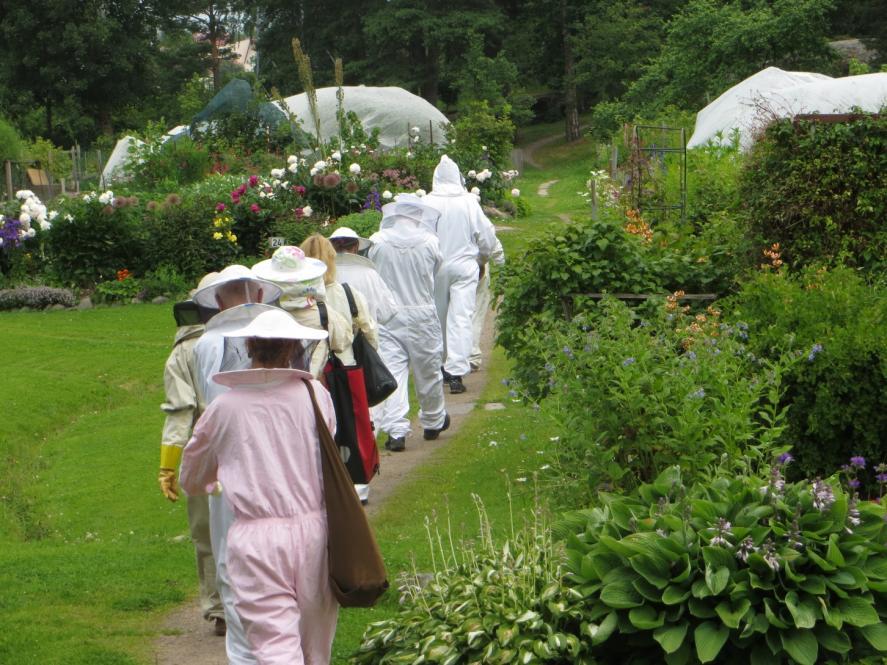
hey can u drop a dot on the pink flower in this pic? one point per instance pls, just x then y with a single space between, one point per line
220 207
299 189
235 197
331 180
255 208
241 190
299 213
253 180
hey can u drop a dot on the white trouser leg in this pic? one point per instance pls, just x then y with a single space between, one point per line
221 517
426 348
462 284
481 305
391 415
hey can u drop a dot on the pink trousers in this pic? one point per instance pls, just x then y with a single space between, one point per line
279 573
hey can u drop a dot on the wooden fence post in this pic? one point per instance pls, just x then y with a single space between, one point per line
9 193
614 160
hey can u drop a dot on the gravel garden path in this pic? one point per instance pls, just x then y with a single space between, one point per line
187 638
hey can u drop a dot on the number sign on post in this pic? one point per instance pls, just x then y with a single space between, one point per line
276 241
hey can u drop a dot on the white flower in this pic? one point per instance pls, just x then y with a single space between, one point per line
520 480
45 226
545 467
312 172
337 156
493 444
555 438
292 168
284 184
69 217
275 183
421 192
409 155
292 159
107 198
53 214
515 192
277 173
483 175
24 194
416 139
386 195
262 195
24 218
414 130
472 173
320 166
1 242
307 211
475 191
87 198
31 233
483 147
354 168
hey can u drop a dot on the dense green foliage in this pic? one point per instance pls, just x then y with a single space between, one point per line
735 570
634 396
840 219
835 393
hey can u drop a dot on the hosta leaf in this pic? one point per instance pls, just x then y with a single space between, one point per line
718 557
819 561
682 656
700 589
701 609
760 655
675 594
832 639
731 613
876 634
716 579
505 634
709 638
652 568
801 645
814 584
803 611
621 595
671 637
831 615
833 553
682 568
877 567
646 618
647 590
772 616
605 629
857 611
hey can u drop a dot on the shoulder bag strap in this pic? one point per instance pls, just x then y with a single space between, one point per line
351 304
325 322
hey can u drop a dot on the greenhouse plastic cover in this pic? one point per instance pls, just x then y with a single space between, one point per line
117 161
393 110
773 93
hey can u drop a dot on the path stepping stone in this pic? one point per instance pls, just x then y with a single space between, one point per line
460 409
544 187
494 406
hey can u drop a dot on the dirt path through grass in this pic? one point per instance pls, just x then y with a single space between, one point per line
187 639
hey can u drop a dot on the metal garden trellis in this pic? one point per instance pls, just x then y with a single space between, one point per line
647 157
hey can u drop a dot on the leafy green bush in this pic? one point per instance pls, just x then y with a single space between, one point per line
120 290
819 191
478 133
364 223
634 397
836 393
734 570
491 603
164 280
165 165
95 236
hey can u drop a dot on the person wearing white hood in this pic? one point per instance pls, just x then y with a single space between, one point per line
407 255
467 239
241 297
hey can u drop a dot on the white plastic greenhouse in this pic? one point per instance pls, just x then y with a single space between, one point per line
773 93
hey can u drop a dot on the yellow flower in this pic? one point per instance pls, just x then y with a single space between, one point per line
217 222
231 237
217 236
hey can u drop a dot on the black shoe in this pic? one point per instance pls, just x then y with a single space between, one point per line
219 626
396 444
364 502
447 377
432 434
456 386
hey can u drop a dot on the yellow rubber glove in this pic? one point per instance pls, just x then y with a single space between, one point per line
170 456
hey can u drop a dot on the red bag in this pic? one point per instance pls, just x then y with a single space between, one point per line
354 429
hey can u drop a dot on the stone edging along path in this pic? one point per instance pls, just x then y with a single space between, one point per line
187 639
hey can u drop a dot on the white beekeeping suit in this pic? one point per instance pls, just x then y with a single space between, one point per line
467 238
407 255
360 272
482 305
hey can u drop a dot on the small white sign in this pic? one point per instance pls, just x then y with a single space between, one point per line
276 241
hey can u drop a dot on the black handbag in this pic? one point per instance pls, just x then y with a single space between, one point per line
380 383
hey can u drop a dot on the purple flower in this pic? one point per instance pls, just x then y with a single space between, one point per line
628 361
823 495
568 352
881 477
698 394
771 558
853 484
814 351
857 462
785 458
746 547
691 355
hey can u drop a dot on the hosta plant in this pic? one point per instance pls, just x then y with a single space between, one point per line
734 570
485 603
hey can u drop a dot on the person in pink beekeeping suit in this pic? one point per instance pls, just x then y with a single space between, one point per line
259 441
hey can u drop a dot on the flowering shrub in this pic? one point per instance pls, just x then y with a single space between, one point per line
120 290
733 570
836 323
95 236
494 603
634 397
35 297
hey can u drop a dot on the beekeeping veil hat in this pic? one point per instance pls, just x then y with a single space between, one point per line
344 233
409 207
299 277
230 278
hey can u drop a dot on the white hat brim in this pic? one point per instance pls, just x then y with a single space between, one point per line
280 329
206 297
312 269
